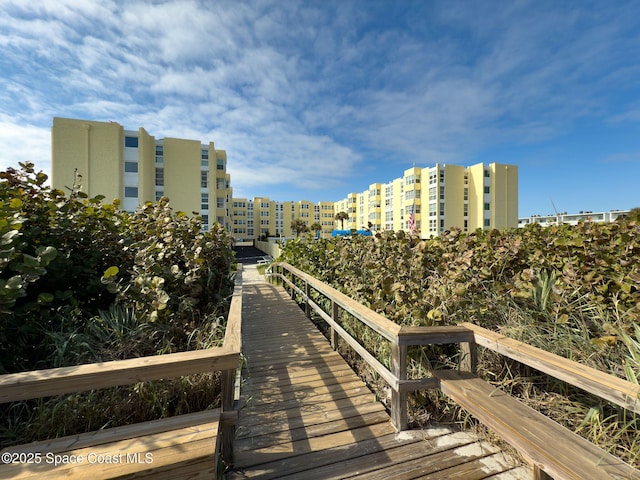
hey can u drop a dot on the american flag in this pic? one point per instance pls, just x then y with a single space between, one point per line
412 223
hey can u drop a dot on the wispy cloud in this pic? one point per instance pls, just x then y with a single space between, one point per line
315 94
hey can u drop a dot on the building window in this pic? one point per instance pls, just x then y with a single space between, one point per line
131 167
466 194
204 163
487 222
205 154
220 164
160 177
159 154
205 223
487 206
131 142
220 202
204 179
486 173
204 201
487 189
159 194
131 192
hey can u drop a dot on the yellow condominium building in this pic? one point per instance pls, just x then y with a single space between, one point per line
433 199
262 217
135 167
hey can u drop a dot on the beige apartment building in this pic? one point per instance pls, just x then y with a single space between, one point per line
433 198
437 198
135 167
262 217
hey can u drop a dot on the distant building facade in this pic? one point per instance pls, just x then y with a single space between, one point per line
434 199
262 217
135 167
572 218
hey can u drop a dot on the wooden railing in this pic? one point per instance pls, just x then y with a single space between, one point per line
469 336
554 452
225 359
400 337
608 387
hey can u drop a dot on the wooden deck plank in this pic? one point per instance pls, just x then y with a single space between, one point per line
324 401
109 435
337 455
256 442
274 427
166 449
305 414
437 461
393 459
281 371
531 432
475 469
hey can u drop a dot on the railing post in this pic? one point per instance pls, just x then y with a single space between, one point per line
334 316
307 305
227 380
469 356
539 474
398 397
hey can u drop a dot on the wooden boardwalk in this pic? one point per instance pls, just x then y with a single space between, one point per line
305 414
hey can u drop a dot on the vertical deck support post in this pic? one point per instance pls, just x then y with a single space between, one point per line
227 431
307 305
334 315
469 356
539 474
399 397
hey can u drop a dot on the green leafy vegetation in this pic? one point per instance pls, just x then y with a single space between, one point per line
570 290
82 281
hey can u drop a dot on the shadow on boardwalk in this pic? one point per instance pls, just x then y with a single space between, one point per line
305 414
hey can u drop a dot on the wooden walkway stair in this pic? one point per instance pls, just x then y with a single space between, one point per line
305 414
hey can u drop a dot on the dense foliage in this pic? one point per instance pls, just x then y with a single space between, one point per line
464 277
83 281
571 290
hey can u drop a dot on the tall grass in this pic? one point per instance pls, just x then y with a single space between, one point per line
117 333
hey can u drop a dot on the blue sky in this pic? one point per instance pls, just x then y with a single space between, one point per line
316 99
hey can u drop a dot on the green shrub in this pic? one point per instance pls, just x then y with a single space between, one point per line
82 281
570 290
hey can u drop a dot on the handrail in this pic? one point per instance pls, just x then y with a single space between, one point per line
377 322
611 388
616 390
400 337
55 381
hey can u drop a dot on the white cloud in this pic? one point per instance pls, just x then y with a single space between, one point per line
21 142
304 94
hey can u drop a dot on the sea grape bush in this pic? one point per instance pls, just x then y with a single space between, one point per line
65 260
473 277
570 290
